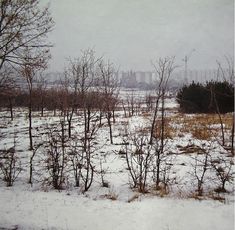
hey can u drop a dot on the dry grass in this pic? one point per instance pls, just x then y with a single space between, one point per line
110 196
201 126
161 190
170 131
194 195
134 197
216 196
191 149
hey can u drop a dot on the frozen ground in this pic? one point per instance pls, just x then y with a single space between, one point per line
54 210
39 207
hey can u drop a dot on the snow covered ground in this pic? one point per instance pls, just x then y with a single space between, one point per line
57 210
116 206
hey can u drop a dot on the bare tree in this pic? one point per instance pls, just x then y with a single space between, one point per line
226 73
88 151
8 88
109 90
76 157
223 170
56 156
103 170
161 165
10 164
124 108
139 160
52 98
23 24
130 103
66 102
81 155
31 163
149 102
28 72
41 87
163 68
200 167
81 77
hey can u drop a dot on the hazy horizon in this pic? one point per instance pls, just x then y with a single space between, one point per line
131 33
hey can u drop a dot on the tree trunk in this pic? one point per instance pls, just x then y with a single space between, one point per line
31 168
30 122
88 119
154 121
220 118
31 171
113 113
163 122
110 127
232 137
61 176
11 108
124 109
158 169
100 119
85 130
42 109
69 128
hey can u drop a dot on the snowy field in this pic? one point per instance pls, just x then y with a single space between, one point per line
58 210
115 206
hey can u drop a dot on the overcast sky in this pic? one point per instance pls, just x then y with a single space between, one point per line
133 32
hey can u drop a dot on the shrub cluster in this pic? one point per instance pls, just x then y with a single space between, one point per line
212 97
51 99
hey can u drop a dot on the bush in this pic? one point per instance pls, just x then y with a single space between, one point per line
209 98
10 165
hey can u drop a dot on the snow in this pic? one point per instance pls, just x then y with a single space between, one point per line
39 207
57 210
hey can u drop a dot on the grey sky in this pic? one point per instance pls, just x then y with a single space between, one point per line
132 32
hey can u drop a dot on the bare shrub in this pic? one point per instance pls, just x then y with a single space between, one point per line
200 167
80 152
161 165
76 158
163 68
10 165
224 172
31 161
56 157
109 89
138 159
103 171
134 197
111 195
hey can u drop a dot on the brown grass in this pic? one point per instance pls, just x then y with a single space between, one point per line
134 197
161 190
191 149
170 130
201 126
110 196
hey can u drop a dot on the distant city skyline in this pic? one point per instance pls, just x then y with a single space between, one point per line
147 79
131 33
